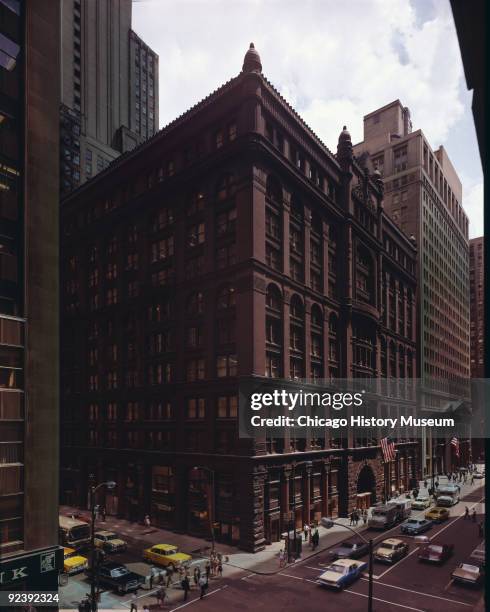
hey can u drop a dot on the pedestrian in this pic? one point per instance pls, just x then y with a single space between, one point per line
185 586
351 518
425 484
437 483
306 528
170 571
473 515
472 480
466 513
316 539
203 583
208 571
281 558
147 520
134 607
364 516
197 575
220 569
161 594
151 580
102 514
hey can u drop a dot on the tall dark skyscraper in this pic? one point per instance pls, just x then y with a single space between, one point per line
109 87
29 204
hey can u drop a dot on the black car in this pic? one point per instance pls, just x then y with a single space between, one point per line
350 549
117 577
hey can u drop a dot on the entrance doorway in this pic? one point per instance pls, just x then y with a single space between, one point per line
366 483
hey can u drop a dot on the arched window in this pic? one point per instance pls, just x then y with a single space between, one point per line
225 187
273 298
297 309
316 316
273 189
364 275
226 298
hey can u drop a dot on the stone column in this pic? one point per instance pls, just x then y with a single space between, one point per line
325 478
285 504
307 494
252 538
285 233
306 245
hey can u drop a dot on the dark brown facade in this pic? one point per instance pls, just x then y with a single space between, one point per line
29 387
234 243
477 307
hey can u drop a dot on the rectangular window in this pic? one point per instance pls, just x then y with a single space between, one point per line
226 365
196 408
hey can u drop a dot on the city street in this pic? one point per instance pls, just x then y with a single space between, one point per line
406 585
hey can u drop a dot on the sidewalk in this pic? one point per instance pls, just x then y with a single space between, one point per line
263 562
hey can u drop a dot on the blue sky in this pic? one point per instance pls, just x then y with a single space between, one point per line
333 61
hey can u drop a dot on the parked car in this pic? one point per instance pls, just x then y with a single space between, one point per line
391 550
166 555
414 526
479 474
421 503
73 562
118 577
341 573
352 549
438 514
109 541
468 574
436 553
478 555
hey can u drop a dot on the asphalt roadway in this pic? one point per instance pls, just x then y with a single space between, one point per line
406 585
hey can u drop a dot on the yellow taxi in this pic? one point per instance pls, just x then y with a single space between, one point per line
73 562
437 514
166 555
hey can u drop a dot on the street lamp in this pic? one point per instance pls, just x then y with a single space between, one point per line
110 484
211 503
328 524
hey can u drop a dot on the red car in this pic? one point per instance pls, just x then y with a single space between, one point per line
436 553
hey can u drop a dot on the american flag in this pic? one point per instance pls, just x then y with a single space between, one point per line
388 449
455 442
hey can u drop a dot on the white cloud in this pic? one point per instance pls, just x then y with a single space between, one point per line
333 61
473 205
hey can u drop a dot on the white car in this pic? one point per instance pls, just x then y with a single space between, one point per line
421 503
342 573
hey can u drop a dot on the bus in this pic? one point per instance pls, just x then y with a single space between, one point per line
74 533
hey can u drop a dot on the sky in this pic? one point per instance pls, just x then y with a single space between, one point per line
334 61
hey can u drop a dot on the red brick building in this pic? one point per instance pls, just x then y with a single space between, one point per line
233 243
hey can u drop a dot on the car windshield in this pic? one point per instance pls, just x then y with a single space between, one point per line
347 545
469 568
338 569
388 545
113 536
422 499
436 549
413 522
119 571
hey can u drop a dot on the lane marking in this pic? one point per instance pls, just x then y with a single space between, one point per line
392 586
298 578
245 577
188 603
398 562
391 603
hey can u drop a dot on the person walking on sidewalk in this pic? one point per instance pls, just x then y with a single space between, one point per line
147 520
466 513
306 528
197 575
134 607
170 571
315 539
473 515
208 571
185 586
351 517
203 583
220 569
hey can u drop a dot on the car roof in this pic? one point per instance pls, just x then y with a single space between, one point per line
67 550
345 562
392 541
164 546
438 509
104 532
113 565
357 542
